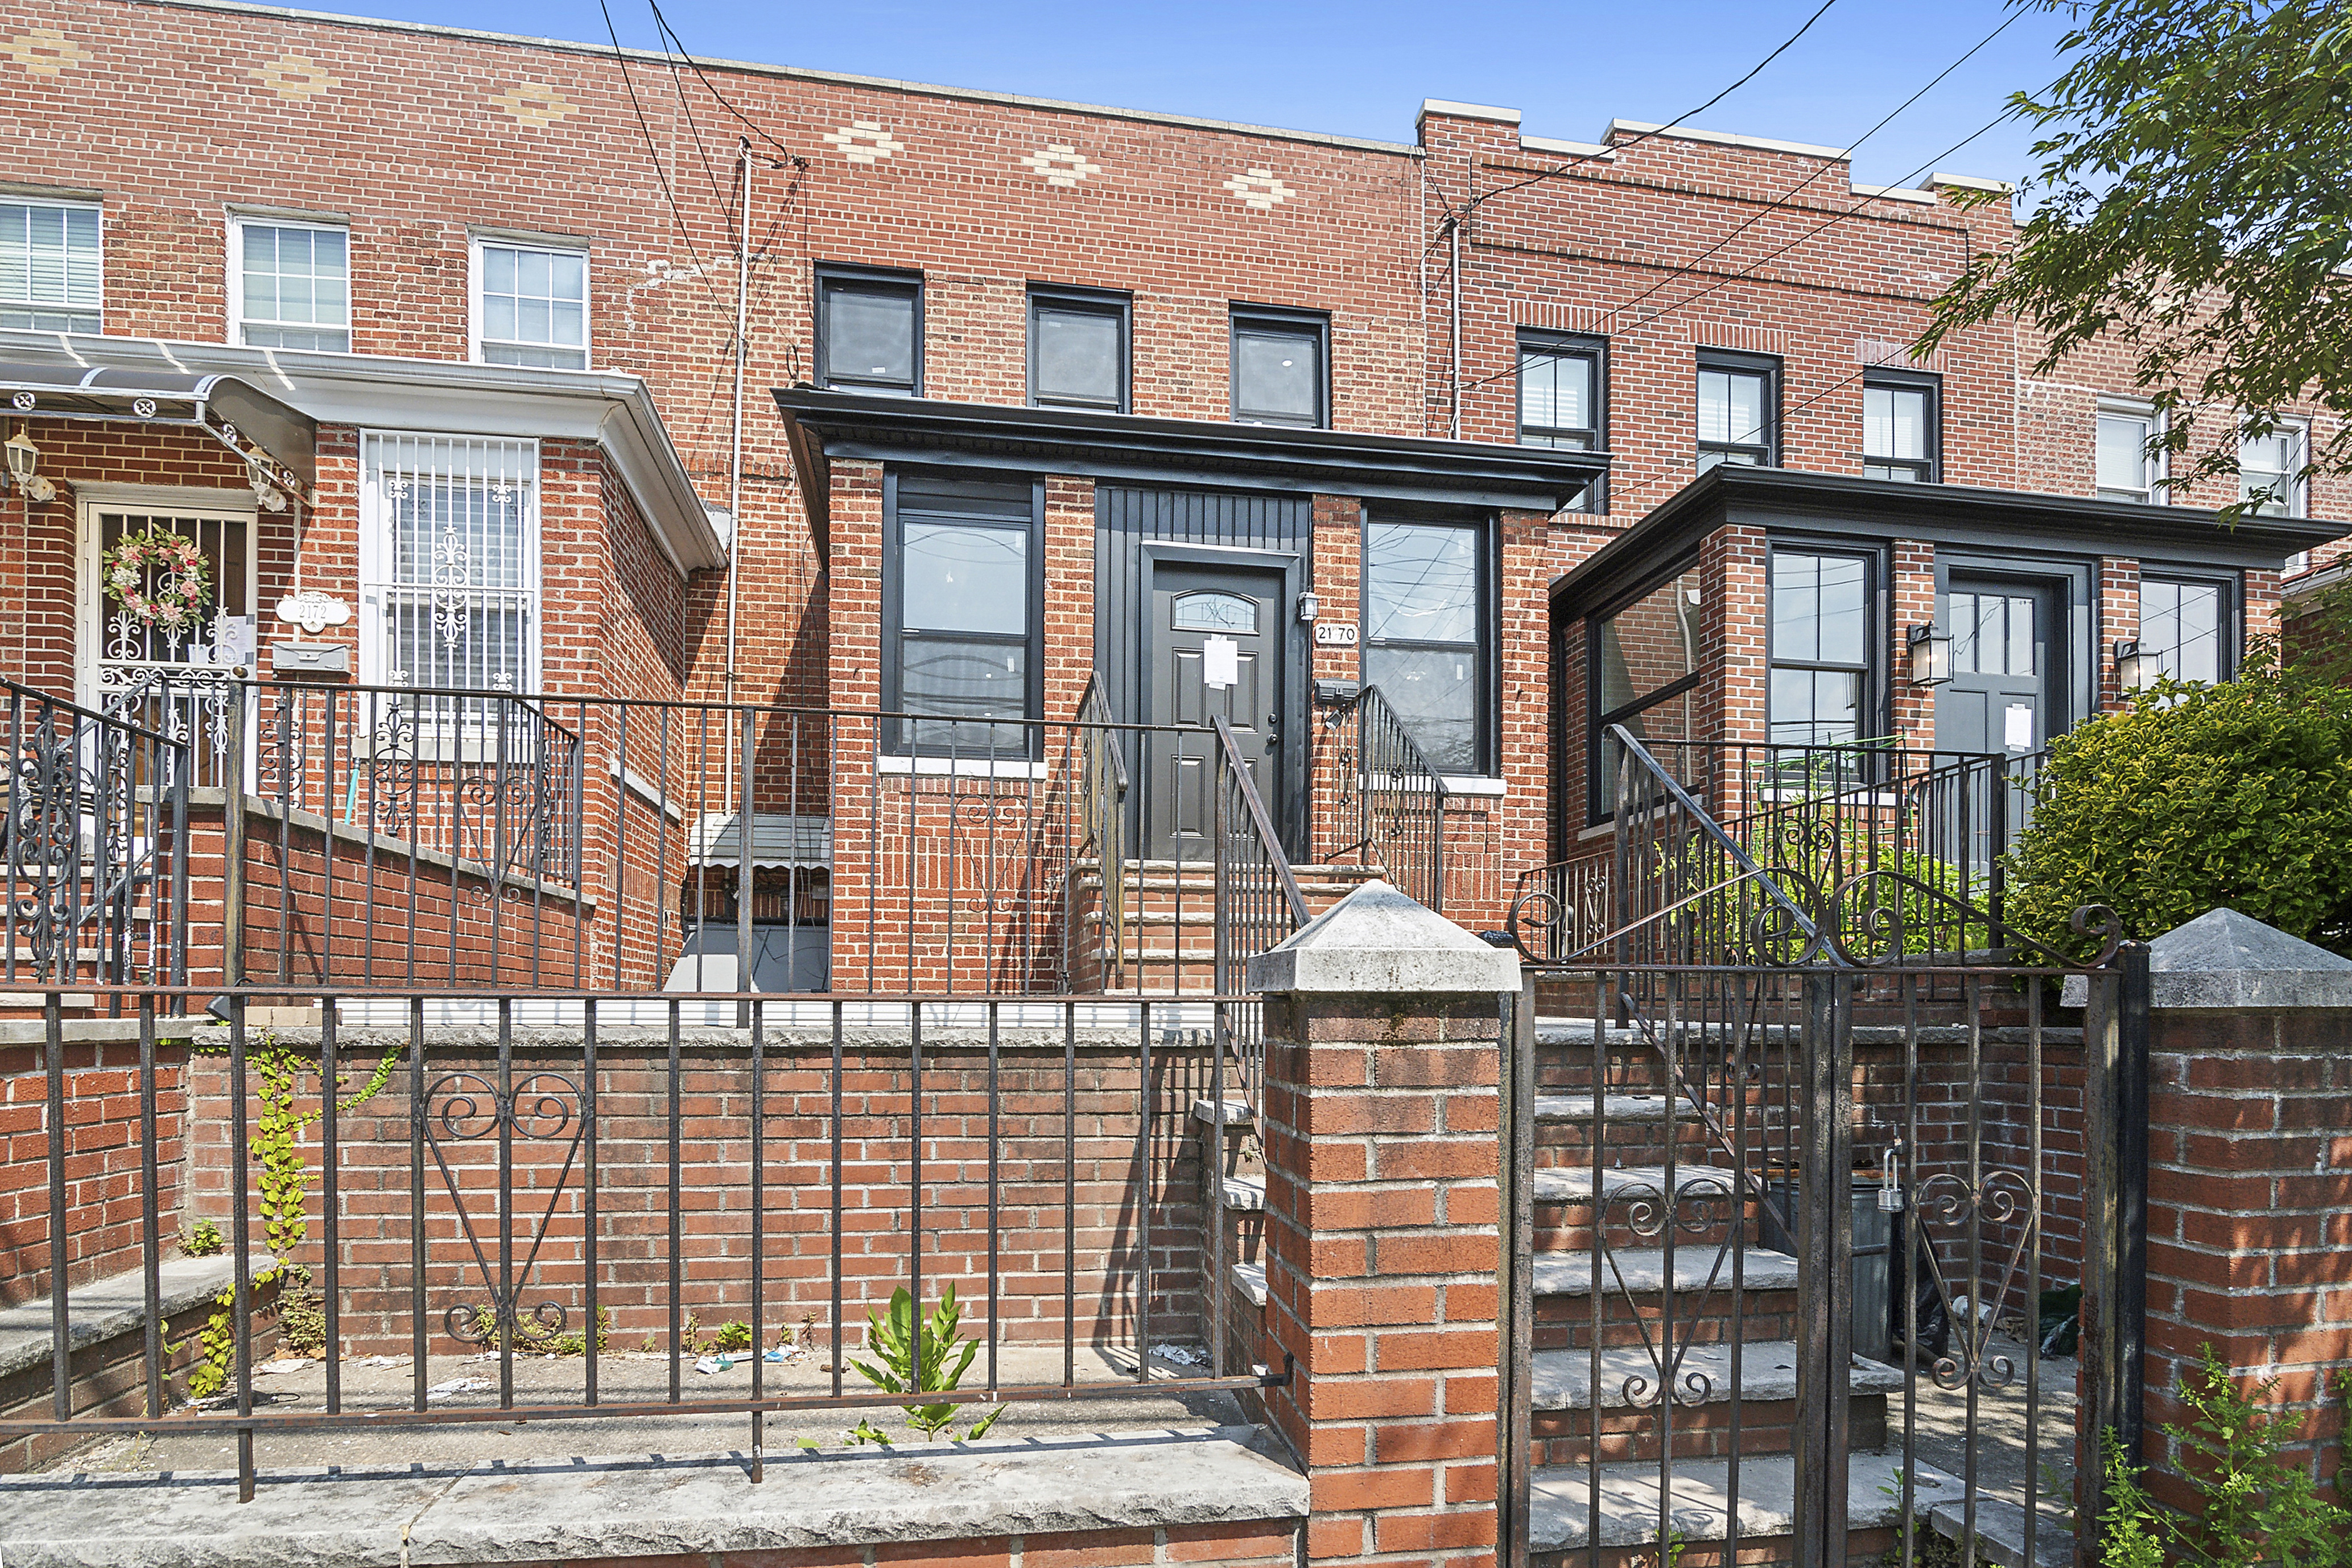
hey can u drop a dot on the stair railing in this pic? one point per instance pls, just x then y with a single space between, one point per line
1102 823
1399 802
1259 904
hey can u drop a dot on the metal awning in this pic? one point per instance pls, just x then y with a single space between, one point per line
778 838
246 420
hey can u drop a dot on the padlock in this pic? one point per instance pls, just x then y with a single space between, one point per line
1890 1182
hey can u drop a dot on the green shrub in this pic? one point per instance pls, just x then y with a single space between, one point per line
2197 797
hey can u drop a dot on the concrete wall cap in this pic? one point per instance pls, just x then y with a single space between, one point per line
2224 959
1378 941
1446 106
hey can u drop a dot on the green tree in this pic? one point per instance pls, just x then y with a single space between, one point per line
2193 208
2197 797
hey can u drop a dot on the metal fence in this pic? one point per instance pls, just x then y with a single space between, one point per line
1393 812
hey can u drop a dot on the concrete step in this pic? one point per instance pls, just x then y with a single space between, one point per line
1573 1183
1700 1502
1245 1194
1642 1271
1577 1107
1227 1114
1768 1370
1251 1279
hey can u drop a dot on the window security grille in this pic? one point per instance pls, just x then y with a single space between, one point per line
449 562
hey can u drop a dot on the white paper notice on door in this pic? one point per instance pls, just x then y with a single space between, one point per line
2017 732
1221 663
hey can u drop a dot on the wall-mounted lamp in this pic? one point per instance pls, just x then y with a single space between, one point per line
23 466
1931 656
2127 664
1309 608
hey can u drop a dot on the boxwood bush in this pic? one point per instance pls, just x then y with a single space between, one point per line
2197 797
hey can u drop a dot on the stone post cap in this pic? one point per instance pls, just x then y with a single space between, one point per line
1378 941
2224 959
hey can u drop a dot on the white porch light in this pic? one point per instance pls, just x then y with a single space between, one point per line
23 466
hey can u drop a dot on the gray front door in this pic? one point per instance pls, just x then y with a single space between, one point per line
1213 640
2003 694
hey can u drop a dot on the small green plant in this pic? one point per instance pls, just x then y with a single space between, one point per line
732 1335
302 1314
922 1355
865 1433
201 1239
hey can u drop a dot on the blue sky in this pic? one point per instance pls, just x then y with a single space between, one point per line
1363 69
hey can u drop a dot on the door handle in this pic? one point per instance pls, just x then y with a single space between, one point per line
1273 739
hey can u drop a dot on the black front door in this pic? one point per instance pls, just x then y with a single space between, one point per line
1213 641
2004 693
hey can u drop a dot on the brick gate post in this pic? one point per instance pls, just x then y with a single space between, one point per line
2250 1173
1380 1119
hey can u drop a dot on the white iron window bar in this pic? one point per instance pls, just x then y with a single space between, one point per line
449 568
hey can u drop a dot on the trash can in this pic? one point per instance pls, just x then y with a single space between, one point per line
1873 1233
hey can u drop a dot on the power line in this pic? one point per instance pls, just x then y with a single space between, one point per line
1476 202
678 83
701 268
754 126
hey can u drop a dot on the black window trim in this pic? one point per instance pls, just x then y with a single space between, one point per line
1585 345
1769 367
1924 381
1286 318
1490 618
1597 810
832 272
1113 302
894 741
2232 586
1874 705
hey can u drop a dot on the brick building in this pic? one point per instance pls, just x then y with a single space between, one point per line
1046 410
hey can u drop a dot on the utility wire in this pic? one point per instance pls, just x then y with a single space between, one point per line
678 83
701 269
753 125
1476 202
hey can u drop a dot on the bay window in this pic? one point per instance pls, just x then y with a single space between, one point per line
449 582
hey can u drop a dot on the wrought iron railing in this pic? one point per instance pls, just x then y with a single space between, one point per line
94 835
1258 902
1396 800
1103 807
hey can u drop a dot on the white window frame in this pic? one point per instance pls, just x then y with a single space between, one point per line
474 275
70 204
237 318
376 561
2159 464
2298 486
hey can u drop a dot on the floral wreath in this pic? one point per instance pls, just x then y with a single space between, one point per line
182 589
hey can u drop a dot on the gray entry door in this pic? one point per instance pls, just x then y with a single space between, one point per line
2001 696
1213 641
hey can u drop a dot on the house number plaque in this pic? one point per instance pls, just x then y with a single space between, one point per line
1335 633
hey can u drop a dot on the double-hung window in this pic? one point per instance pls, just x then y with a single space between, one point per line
292 285
869 331
1645 673
1821 647
530 305
449 582
1427 633
1559 392
2182 629
1899 434
1279 373
1738 411
1078 349
2128 469
52 279
2270 470
960 622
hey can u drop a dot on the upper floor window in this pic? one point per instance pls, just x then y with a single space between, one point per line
2181 626
1738 411
530 305
2128 469
959 610
869 331
449 576
51 275
2271 467
1821 668
1899 434
291 286
1559 392
1427 633
1278 370
1078 350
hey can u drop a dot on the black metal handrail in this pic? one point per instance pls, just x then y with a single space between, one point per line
1258 905
1102 793
1401 800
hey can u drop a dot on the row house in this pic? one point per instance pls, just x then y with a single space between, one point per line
1087 491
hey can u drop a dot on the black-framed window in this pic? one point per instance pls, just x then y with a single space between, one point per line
1281 369
2185 627
962 585
1078 353
1644 675
1428 635
869 331
1902 418
1738 410
1561 391
1823 676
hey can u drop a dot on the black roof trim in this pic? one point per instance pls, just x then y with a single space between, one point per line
1943 514
830 425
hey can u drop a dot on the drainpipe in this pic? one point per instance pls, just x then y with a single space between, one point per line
1454 237
743 872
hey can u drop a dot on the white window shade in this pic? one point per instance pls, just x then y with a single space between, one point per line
449 582
51 269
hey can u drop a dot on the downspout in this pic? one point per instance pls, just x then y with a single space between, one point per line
1453 237
735 459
